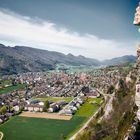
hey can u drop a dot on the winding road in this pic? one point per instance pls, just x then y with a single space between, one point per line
85 125
1 135
90 119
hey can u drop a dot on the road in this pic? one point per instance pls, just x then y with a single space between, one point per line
1 135
85 125
91 118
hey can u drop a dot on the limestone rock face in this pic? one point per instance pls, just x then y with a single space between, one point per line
138 50
137 16
138 55
138 114
137 96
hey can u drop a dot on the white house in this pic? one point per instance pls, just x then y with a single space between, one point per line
16 108
41 103
35 108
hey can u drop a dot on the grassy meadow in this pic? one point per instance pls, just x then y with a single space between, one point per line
24 128
11 88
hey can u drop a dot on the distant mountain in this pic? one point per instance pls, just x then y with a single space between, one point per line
21 59
120 60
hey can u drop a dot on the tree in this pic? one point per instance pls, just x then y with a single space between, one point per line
13 82
85 89
110 89
46 106
3 109
107 138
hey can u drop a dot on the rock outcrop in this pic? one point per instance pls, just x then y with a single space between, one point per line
137 16
137 96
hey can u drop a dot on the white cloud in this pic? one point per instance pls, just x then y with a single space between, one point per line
20 30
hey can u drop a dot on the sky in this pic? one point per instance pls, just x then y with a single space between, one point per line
100 29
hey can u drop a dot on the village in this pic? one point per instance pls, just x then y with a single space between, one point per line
40 88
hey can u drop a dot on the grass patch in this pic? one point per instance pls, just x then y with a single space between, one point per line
11 88
87 109
56 99
23 128
5 82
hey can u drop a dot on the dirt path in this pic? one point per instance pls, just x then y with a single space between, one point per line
85 125
1 135
45 115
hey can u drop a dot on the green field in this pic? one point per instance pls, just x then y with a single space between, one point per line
5 82
23 128
56 99
87 109
12 88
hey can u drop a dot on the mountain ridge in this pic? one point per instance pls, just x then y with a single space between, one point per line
20 59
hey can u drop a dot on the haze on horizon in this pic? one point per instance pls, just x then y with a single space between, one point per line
92 28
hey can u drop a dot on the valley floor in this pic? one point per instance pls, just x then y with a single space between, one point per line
21 128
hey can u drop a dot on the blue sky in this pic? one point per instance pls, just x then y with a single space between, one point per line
99 29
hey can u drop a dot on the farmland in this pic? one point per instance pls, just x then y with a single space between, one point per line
88 108
5 82
86 111
22 128
56 99
11 88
